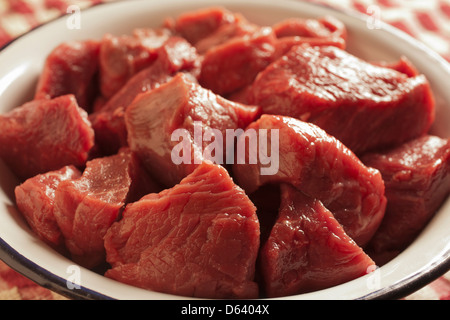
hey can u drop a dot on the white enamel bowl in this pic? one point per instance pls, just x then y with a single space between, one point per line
22 60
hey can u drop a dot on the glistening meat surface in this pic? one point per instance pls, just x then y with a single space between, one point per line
87 206
307 249
174 55
178 104
365 106
160 103
417 179
71 68
45 135
35 198
323 168
199 238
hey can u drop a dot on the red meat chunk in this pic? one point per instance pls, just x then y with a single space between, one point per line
323 27
86 207
110 131
45 135
176 55
199 24
234 64
366 107
35 199
319 165
199 238
403 65
239 28
417 179
108 123
121 57
307 249
325 31
71 68
154 116
283 45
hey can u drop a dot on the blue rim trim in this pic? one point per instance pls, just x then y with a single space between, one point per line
414 282
44 277
57 284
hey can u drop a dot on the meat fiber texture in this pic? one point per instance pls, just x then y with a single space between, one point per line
109 108
35 199
323 168
233 65
366 106
123 56
86 207
71 68
153 117
174 55
198 239
308 249
417 179
324 31
45 135
235 50
326 27
197 25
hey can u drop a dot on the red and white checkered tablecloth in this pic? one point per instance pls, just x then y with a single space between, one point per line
426 20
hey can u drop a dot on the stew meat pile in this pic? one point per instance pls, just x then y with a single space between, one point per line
358 173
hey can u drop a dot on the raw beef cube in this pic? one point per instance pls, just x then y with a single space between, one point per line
417 179
199 238
239 28
307 249
320 166
325 31
324 27
86 207
108 123
199 24
234 64
403 65
176 55
366 107
110 131
121 57
35 199
71 68
161 126
45 135
285 44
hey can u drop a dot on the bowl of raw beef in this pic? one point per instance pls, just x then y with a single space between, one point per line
224 150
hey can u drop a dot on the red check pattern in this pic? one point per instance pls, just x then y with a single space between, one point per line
427 21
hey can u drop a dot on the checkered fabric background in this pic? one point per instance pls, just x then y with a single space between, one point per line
426 20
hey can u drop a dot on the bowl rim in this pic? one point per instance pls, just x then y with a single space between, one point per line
44 277
399 290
